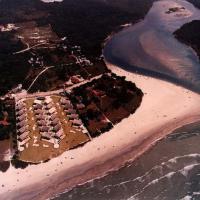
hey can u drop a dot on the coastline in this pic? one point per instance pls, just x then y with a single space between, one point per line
165 107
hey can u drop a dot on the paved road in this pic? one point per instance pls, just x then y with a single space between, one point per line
49 93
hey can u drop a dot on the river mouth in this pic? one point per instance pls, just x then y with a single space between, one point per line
150 47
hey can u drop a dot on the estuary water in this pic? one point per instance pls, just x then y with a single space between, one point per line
149 47
171 169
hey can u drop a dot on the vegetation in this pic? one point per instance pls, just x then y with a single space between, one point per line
7 116
85 24
107 101
189 34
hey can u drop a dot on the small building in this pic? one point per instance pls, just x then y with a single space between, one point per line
76 122
49 106
71 111
80 106
21 112
59 134
22 123
41 123
37 107
55 122
20 106
73 116
52 117
67 107
22 130
37 102
44 129
57 128
22 117
40 117
64 101
46 135
25 141
52 110
39 112
23 136
48 100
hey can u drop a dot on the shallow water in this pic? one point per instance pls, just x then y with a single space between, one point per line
150 47
170 170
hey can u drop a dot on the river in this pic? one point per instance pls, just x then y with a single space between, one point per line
171 169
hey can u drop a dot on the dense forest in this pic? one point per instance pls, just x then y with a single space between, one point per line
189 34
86 24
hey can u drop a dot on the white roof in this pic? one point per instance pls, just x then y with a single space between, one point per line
52 110
48 100
37 101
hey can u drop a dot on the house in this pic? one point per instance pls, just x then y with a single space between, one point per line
25 141
22 123
46 135
68 106
37 106
40 117
23 136
75 79
41 123
38 112
55 122
21 112
59 134
73 116
48 106
57 128
44 129
76 122
52 110
64 101
80 106
20 106
52 117
22 130
37 102
22 117
48 100
71 111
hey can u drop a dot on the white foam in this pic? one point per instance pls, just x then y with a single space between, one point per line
188 168
186 198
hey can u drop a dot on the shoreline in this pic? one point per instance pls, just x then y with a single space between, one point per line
113 149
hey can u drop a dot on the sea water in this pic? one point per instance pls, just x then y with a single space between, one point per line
170 170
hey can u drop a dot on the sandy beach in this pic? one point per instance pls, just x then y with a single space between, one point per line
164 108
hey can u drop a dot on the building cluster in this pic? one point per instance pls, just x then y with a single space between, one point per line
72 114
47 120
44 117
22 123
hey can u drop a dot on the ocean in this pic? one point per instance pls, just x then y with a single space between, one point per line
170 171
